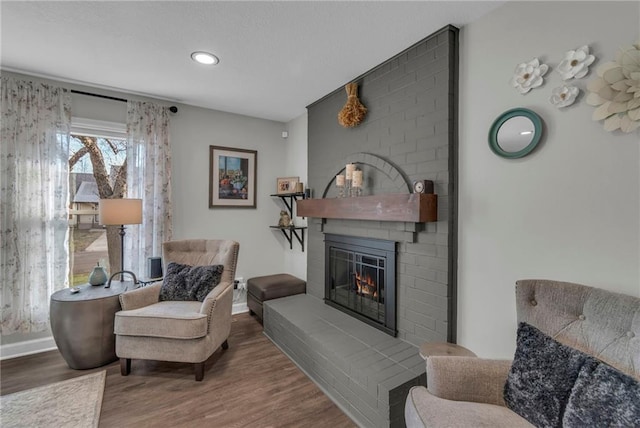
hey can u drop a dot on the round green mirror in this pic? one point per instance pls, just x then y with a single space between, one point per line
515 133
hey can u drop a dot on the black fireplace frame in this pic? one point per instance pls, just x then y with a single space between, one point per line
376 247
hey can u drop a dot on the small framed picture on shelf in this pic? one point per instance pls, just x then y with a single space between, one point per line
287 184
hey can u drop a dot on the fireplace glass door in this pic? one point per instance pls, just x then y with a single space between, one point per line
360 279
358 282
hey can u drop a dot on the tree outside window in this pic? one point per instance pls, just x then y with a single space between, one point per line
98 170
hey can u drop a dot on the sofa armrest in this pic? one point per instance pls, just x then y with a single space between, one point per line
211 299
140 297
467 378
431 349
219 300
218 306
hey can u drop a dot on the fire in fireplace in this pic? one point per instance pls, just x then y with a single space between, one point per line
366 286
360 279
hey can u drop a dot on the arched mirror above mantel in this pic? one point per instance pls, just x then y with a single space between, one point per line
515 133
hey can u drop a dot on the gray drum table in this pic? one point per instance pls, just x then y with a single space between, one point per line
82 323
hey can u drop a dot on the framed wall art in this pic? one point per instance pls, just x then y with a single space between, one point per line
232 177
286 184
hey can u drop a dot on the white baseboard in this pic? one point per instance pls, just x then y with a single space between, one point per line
28 347
239 308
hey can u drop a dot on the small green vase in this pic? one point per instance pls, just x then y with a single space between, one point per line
98 276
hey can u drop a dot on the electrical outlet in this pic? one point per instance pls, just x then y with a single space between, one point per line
240 279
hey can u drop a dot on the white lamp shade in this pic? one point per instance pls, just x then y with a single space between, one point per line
120 211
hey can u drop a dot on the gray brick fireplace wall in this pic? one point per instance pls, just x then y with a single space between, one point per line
410 125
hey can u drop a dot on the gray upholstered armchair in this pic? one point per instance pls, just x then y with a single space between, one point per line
468 391
181 331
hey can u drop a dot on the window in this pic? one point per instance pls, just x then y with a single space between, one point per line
97 169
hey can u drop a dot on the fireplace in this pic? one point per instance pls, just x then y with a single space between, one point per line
360 279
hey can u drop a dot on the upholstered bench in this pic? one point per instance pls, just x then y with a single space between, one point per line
262 288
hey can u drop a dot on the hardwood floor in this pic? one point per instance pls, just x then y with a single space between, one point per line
251 384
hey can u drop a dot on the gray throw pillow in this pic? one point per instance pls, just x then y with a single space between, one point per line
184 282
541 378
603 397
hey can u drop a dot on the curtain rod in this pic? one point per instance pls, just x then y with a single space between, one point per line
172 109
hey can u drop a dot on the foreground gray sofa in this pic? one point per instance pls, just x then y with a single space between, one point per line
469 391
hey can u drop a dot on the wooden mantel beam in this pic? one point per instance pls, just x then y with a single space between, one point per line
407 207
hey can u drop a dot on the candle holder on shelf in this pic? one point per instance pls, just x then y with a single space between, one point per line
340 185
349 168
356 183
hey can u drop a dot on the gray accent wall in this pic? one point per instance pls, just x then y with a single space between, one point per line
410 131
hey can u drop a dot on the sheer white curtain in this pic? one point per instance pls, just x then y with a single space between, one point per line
148 178
34 195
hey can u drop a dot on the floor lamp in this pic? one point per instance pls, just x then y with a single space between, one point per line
118 212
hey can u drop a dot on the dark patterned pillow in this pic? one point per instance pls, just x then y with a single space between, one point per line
603 397
184 282
541 378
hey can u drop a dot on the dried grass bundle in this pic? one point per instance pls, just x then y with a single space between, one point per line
353 112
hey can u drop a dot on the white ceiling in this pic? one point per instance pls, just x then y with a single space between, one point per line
275 57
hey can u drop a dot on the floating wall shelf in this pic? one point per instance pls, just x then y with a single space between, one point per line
290 232
293 231
408 207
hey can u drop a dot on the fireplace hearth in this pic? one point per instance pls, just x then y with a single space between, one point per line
360 279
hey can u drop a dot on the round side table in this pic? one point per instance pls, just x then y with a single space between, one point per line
82 323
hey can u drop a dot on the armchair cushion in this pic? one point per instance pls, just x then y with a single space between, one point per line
426 410
603 397
184 282
174 320
541 377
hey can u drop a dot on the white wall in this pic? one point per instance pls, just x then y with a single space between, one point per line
193 130
569 211
295 261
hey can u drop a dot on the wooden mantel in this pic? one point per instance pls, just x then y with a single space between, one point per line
408 207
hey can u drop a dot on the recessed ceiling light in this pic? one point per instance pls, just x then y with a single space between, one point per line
205 58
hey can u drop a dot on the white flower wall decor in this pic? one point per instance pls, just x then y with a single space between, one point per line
564 96
616 91
528 75
575 64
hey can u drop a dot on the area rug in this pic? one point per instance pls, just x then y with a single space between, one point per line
71 403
